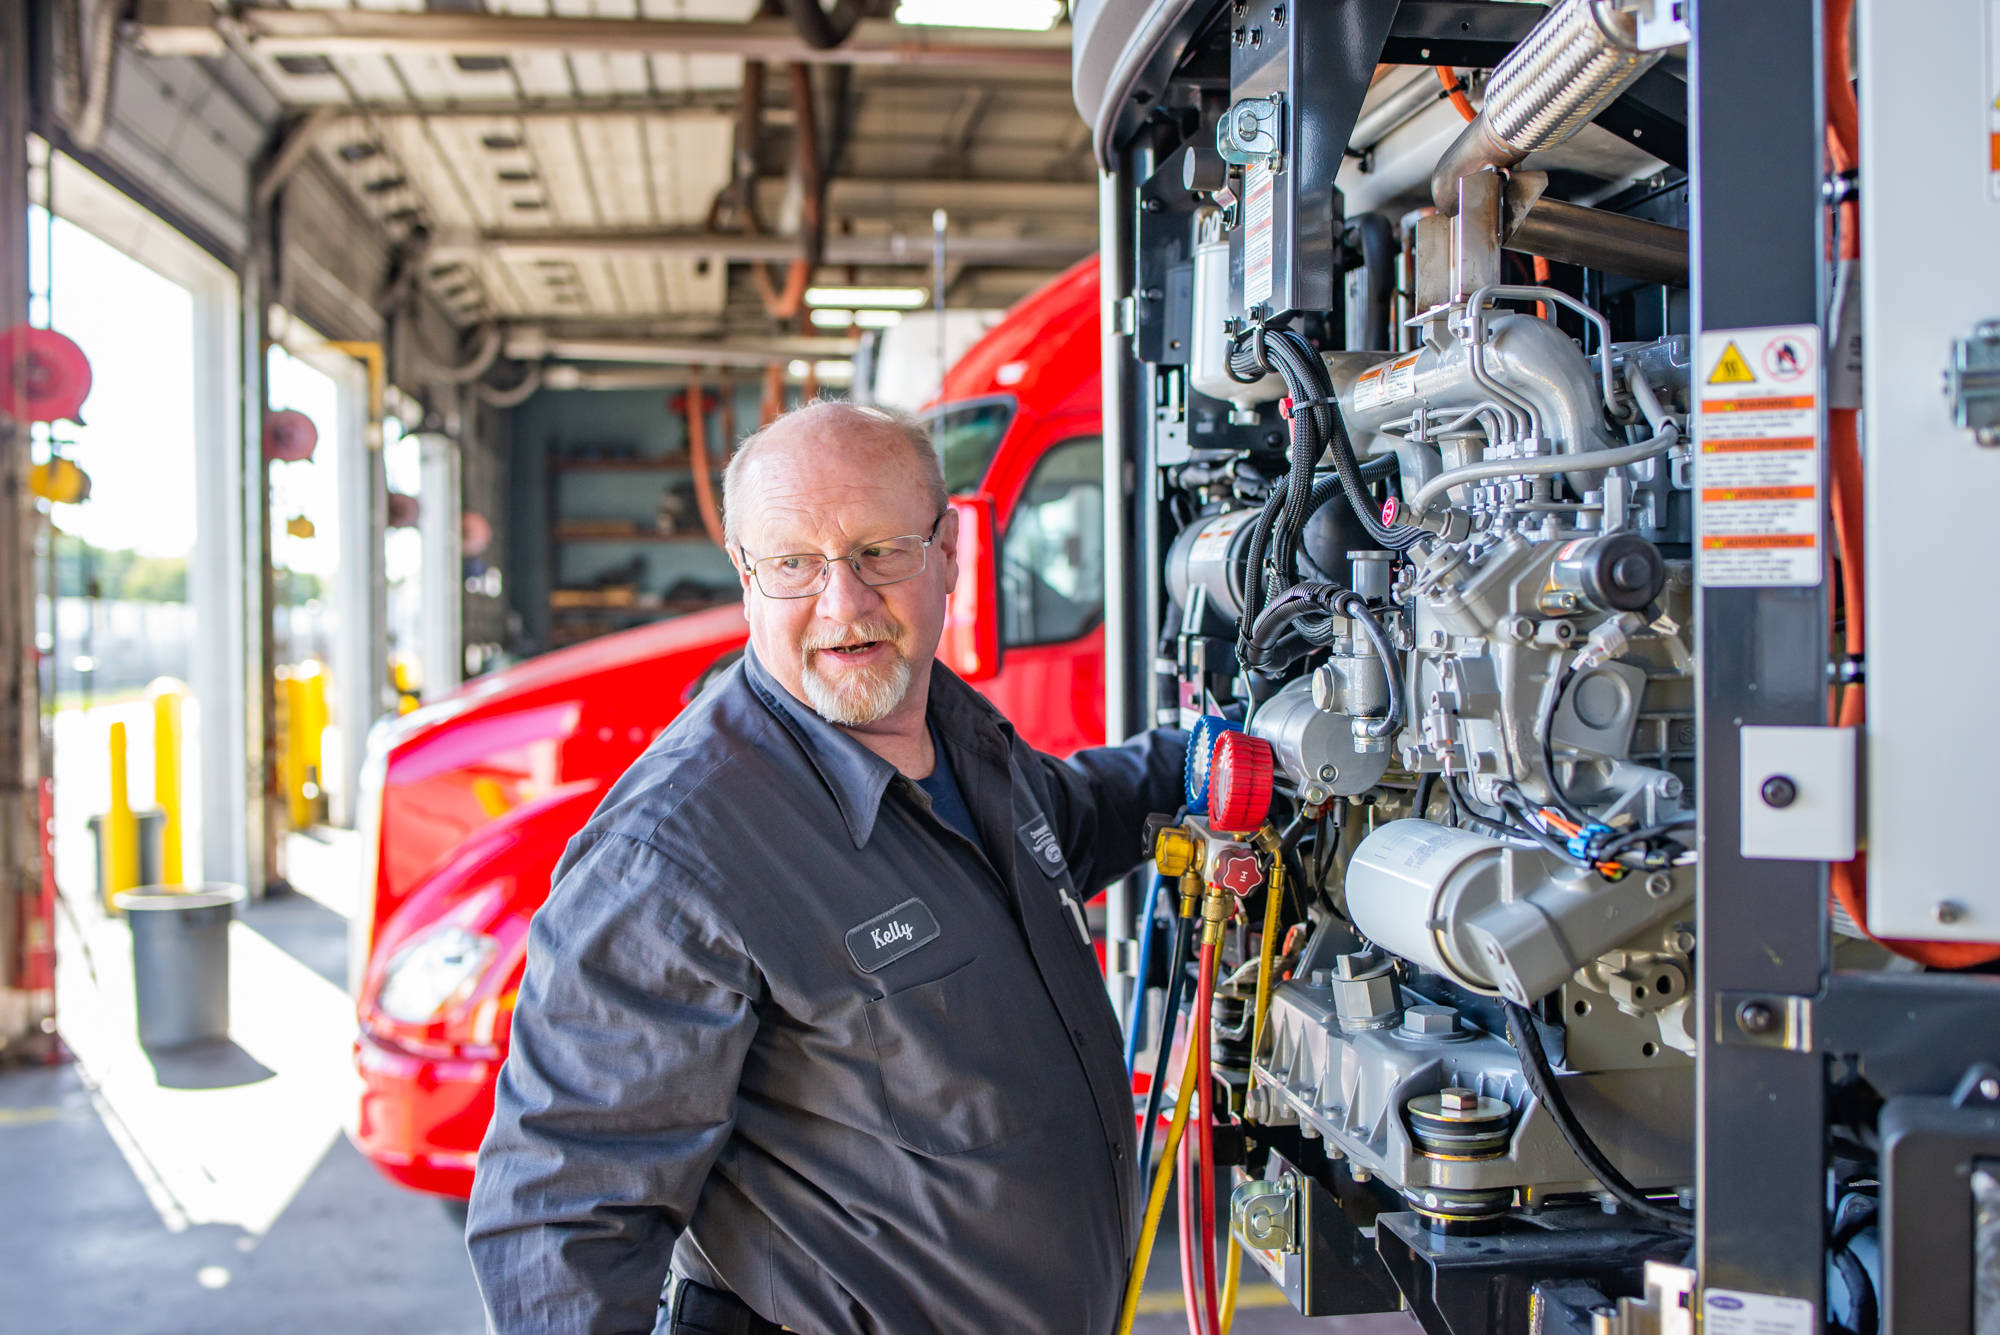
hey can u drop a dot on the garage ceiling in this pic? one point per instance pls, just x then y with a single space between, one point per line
568 164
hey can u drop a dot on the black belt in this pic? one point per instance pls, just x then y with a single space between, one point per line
700 1310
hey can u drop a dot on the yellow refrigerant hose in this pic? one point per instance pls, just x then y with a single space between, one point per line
1273 901
1157 1199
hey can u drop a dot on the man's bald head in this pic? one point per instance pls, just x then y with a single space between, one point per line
816 436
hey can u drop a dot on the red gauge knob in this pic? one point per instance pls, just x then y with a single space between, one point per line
1237 871
1239 783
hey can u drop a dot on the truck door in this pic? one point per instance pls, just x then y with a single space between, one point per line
1051 601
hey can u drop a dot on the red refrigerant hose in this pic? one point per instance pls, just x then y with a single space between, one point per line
1204 1112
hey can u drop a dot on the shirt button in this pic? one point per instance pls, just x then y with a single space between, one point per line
1076 1034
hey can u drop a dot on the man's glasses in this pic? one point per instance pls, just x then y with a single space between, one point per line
803 574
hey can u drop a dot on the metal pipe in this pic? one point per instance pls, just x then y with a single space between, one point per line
1572 65
1598 239
1394 111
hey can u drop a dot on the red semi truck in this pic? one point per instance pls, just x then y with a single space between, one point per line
468 803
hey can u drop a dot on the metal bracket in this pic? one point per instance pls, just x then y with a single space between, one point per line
1972 382
1250 134
1763 1020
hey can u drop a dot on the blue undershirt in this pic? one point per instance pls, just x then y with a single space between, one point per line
947 803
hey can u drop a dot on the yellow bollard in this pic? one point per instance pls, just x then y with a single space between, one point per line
167 782
304 720
121 831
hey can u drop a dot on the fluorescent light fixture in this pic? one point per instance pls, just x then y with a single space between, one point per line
878 319
894 298
797 369
825 319
834 373
1021 15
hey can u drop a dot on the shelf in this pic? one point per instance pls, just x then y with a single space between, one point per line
672 463
658 612
560 535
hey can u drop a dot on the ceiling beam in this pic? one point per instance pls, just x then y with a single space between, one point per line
528 246
874 41
529 344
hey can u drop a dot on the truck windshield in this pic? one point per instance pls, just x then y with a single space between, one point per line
966 435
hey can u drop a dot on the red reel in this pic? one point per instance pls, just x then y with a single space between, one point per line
289 435
1239 783
44 376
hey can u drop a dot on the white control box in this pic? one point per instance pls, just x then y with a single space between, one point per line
1930 273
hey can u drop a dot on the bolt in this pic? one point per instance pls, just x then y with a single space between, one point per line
1322 978
1430 1020
1755 1018
1948 911
1353 966
1328 773
1659 885
1779 792
1458 1100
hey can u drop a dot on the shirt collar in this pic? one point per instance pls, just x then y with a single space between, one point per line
856 776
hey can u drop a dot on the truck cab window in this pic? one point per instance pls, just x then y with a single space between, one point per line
1052 558
966 436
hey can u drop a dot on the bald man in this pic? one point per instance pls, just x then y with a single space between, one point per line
812 1016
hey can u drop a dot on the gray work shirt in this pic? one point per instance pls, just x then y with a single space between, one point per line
782 1025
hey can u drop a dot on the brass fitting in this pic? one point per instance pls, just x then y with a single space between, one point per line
1215 910
1190 893
1176 851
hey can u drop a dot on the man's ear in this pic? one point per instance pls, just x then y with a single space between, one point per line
947 545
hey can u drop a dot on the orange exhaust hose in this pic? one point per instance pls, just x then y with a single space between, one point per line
704 484
1542 278
1449 78
1205 1123
1156 1201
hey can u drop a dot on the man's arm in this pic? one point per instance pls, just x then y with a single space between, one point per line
619 1091
1101 797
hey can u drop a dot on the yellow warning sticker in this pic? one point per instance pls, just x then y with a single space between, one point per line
1757 472
1731 369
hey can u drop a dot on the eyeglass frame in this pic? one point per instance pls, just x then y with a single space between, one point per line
827 563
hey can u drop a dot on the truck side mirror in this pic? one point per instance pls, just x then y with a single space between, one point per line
971 643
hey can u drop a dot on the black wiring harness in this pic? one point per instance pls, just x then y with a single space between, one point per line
1527 1041
1317 427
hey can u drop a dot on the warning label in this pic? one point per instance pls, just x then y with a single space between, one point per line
1386 383
1257 189
1758 457
1993 101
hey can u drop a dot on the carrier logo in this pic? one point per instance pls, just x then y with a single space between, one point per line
1041 843
887 937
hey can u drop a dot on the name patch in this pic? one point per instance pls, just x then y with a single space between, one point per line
1041 844
886 938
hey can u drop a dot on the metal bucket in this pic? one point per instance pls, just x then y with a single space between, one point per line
180 960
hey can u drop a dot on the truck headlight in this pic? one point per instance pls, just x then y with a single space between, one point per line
433 971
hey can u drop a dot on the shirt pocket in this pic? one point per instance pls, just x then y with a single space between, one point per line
955 1060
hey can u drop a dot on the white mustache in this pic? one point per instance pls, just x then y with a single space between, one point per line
842 636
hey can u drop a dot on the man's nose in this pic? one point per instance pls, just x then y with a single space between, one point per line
845 597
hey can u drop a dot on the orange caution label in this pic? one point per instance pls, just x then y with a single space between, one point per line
1770 405
1738 542
1758 493
1755 446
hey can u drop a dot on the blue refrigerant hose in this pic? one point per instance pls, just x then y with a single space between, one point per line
1135 1024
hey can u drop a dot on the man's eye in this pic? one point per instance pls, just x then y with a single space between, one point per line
875 553
790 565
